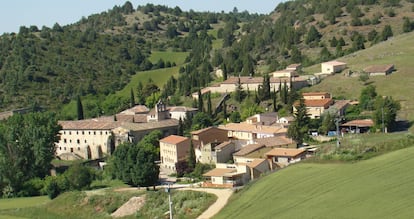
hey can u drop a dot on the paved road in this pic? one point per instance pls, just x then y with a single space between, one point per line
223 196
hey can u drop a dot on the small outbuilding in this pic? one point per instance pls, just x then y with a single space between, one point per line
379 70
332 67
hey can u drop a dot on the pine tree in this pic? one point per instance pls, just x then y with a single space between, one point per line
80 109
265 87
140 94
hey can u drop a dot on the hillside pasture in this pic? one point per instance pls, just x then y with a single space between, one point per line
398 84
174 57
377 188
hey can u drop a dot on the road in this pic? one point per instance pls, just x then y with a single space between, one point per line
223 196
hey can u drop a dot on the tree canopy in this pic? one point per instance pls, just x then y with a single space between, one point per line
27 146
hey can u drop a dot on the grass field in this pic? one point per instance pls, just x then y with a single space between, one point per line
177 57
399 84
22 202
377 188
101 203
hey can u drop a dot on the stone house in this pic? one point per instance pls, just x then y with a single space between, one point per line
332 67
173 149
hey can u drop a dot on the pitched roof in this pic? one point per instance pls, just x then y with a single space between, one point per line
174 139
275 141
150 125
223 145
89 124
334 63
197 132
220 172
340 104
294 66
360 123
379 68
315 94
285 152
255 163
248 149
318 103
245 127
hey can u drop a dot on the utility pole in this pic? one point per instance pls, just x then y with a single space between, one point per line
168 190
337 132
382 112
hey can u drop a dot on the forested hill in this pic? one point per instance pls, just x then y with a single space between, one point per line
50 66
97 55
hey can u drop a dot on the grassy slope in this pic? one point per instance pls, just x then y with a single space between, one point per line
395 51
376 188
22 202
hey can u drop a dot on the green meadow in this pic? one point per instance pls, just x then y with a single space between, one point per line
381 187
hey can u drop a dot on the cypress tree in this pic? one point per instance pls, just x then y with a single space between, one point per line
180 131
209 107
79 108
132 98
200 101
274 100
191 157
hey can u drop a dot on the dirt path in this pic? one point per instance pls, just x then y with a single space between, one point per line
130 207
223 196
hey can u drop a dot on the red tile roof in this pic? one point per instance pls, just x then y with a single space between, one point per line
174 139
319 103
316 94
256 162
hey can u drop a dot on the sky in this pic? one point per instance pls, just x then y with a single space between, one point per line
16 13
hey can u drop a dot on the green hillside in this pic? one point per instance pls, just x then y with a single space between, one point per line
376 188
398 84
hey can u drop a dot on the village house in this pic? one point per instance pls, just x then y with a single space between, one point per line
358 126
285 156
285 120
202 140
216 152
332 67
249 132
173 149
268 118
316 103
286 73
294 67
252 84
177 112
85 139
379 70
98 137
231 175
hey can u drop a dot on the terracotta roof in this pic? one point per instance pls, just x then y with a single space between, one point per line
89 124
174 139
360 123
255 163
223 145
253 80
379 68
318 103
275 141
150 125
315 94
248 149
245 127
197 132
340 104
220 172
334 63
285 152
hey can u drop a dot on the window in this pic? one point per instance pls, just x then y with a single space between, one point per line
94 133
64 140
64 148
70 140
85 141
78 148
78 141
70 133
83 132
101 132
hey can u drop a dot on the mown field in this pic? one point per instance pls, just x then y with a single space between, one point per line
377 188
399 84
